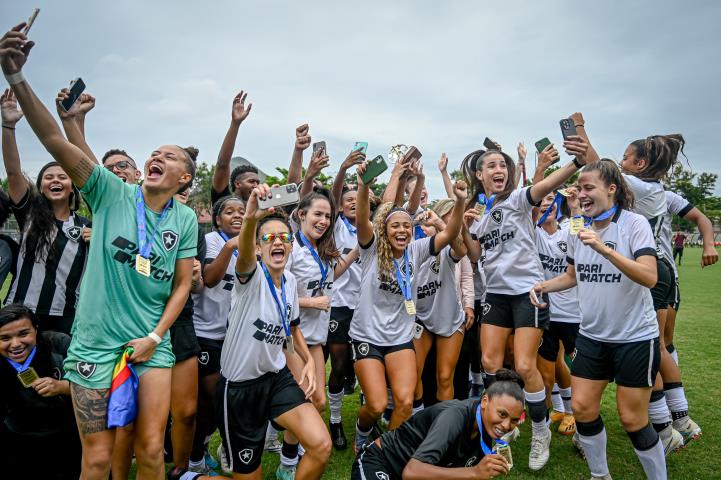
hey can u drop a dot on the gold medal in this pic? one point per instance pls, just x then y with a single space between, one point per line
480 208
142 265
564 192
505 452
27 377
575 225
289 345
410 307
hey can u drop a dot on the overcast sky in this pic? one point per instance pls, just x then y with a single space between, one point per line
439 75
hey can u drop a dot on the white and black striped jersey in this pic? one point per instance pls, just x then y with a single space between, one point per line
254 342
381 317
507 235
50 286
313 322
649 200
675 205
614 307
553 250
439 301
212 304
346 288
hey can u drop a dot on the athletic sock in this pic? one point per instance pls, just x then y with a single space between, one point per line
658 411
489 379
196 464
289 454
566 398
335 401
592 436
537 410
417 406
360 435
301 450
556 399
190 476
271 432
650 452
676 399
671 349
477 378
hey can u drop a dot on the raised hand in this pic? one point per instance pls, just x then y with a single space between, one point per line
11 114
302 137
240 111
252 210
318 162
416 169
521 149
82 105
548 156
356 157
577 118
460 190
470 216
443 163
576 146
85 103
14 50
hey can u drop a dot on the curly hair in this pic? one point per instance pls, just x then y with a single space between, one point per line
385 253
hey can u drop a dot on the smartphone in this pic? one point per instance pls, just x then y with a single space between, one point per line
542 144
362 146
489 144
281 196
375 167
568 128
319 146
77 87
412 154
31 20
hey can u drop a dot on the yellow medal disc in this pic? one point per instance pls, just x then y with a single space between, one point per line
142 265
27 377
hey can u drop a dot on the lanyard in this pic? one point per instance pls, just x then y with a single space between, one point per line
557 200
24 366
405 284
484 447
281 309
604 216
488 202
144 245
323 268
226 238
350 227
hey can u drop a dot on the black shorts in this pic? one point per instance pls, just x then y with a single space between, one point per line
184 342
632 364
514 311
675 295
339 325
243 410
370 464
557 333
662 292
363 350
209 356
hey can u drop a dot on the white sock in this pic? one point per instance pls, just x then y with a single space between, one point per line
288 462
199 463
556 400
676 401
538 412
301 450
595 449
674 355
658 411
271 432
335 401
653 461
566 398
477 378
190 476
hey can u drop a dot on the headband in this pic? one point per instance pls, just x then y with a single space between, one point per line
397 210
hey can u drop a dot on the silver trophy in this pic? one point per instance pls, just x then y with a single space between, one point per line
396 152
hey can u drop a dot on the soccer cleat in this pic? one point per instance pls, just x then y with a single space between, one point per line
272 444
568 425
671 440
338 436
203 469
224 463
540 450
688 429
209 460
605 477
557 416
359 443
577 443
285 473
512 435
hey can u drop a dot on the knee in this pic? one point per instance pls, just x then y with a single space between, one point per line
525 367
403 404
96 459
320 448
149 450
584 410
631 421
319 402
376 406
491 363
444 379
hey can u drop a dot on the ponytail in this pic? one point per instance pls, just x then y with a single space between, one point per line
508 383
660 152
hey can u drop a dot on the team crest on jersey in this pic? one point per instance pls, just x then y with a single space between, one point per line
409 264
471 461
170 239
363 349
611 245
57 374
486 308
85 369
382 476
497 216
203 358
245 455
332 326
436 265
563 246
73 233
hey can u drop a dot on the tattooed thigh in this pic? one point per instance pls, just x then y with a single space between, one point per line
91 408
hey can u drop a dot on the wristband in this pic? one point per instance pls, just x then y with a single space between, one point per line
8 127
155 337
578 164
15 78
581 125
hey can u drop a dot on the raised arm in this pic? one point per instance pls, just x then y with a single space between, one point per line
397 183
356 157
246 261
575 146
453 228
473 246
414 199
443 168
344 262
318 162
521 149
546 158
363 209
239 112
580 123
710 255
17 183
74 120
302 141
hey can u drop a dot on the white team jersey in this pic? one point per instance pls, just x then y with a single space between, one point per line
553 249
614 307
507 235
211 305
649 200
479 279
675 205
439 305
381 317
255 339
346 288
313 322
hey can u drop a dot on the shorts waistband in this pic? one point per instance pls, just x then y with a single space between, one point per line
252 381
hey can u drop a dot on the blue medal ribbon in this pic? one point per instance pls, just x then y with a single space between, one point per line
488 202
323 268
25 365
557 200
418 233
350 227
281 309
226 238
145 241
484 447
404 283
587 221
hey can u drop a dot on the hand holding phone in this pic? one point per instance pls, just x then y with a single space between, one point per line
373 169
362 146
280 196
568 128
319 146
542 144
77 87
30 21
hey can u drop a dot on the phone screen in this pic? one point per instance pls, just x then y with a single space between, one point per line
319 146
362 146
77 87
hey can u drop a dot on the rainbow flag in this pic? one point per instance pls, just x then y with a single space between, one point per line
123 402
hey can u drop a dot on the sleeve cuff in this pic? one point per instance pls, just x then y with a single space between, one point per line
529 198
295 323
368 245
644 252
432 246
569 260
685 210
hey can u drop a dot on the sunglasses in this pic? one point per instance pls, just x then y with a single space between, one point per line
122 165
270 237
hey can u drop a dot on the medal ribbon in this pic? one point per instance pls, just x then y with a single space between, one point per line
404 283
145 244
350 227
604 216
557 200
226 238
488 202
418 233
24 366
323 268
281 309
484 447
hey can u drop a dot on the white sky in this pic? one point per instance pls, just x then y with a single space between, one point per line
440 75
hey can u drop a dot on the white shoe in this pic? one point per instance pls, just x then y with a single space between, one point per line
671 440
512 435
688 429
576 441
272 445
223 458
540 450
605 477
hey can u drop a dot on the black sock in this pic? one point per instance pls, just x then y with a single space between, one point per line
289 450
488 380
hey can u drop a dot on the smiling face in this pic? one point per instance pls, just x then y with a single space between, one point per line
493 173
55 185
399 231
501 414
230 218
315 220
630 163
123 168
17 339
595 197
548 202
348 204
274 253
166 169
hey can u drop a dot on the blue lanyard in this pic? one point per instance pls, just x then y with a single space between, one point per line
145 245
350 227
323 268
604 216
418 232
557 200
484 447
281 309
24 366
488 202
405 284
226 238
